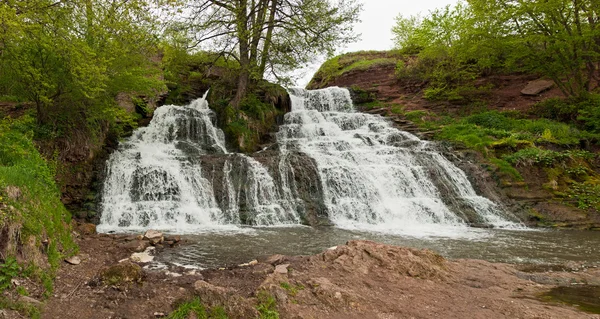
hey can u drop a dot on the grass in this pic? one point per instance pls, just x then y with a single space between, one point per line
195 306
36 221
292 290
267 307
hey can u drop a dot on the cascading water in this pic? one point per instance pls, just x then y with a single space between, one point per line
332 165
375 175
158 179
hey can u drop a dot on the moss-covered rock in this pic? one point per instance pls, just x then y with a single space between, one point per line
122 274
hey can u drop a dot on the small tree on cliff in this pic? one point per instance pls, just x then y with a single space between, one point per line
272 37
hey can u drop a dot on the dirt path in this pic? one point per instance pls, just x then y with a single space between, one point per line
359 280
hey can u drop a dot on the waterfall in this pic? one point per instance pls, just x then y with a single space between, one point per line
332 165
165 177
374 174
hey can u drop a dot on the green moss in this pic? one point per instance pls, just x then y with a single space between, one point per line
586 298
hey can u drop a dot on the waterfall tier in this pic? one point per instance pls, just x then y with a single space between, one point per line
331 165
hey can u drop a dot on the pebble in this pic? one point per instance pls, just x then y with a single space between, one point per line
73 260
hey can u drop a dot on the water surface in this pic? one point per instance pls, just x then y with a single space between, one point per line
223 248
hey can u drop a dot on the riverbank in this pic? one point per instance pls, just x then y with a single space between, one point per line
359 280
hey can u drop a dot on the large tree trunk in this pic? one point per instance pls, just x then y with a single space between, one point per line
242 30
269 36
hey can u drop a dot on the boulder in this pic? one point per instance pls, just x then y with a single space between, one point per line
154 236
282 269
86 229
536 87
122 273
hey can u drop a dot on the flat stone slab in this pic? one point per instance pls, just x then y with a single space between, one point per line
536 87
282 269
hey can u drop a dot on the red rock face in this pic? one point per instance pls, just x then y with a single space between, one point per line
381 80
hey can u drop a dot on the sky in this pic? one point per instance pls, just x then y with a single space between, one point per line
377 20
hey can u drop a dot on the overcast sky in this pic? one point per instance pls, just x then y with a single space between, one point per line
377 22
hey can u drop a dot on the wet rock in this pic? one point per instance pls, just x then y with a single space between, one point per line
137 246
154 236
122 273
143 257
275 259
29 300
86 229
174 239
75 260
282 269
536 87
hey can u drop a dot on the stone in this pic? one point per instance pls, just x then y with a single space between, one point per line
137 246
174 239
282 269
143 257
29 300
13 192
536 87
275 259
153 234
86 229
122 273
73 260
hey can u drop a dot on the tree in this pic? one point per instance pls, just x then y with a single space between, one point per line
271 37
558 38
74 53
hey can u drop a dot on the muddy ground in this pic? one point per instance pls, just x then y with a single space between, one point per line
359 280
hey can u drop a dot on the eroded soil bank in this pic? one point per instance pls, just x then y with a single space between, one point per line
359 280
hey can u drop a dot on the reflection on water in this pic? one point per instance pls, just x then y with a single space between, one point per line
217 249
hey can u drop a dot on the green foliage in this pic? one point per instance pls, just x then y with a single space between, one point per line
455 43
9 269
39 214
195 307
586 195
71 63
267 306
506 168
27 310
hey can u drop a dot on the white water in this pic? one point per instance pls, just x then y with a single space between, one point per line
176 175
155 179
375 176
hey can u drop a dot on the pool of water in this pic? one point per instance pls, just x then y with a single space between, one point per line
234 246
